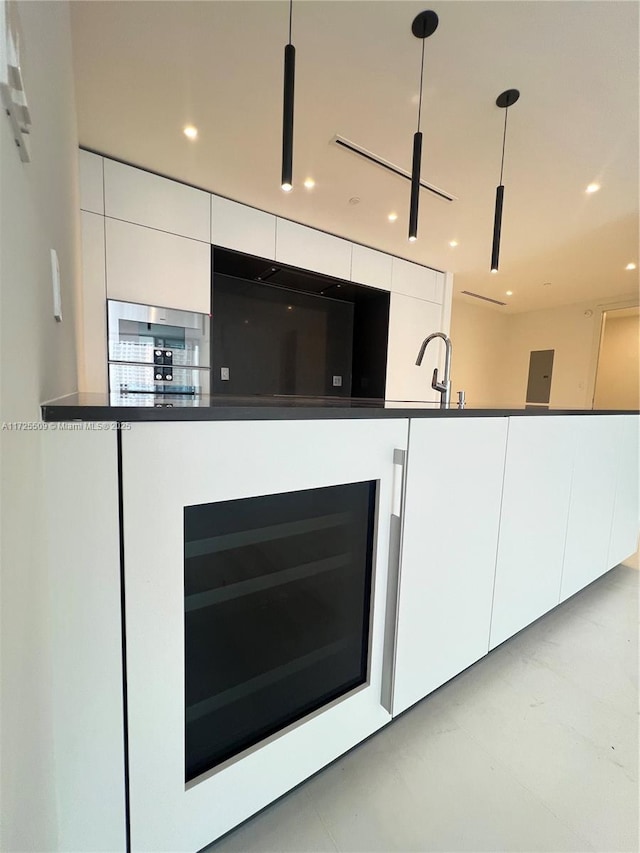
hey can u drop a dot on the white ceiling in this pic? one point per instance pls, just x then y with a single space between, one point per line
145 69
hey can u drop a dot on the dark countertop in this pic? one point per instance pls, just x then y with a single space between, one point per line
147 407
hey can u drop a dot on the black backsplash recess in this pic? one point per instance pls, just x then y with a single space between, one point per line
281 330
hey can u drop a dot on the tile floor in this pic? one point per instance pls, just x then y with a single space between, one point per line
535 748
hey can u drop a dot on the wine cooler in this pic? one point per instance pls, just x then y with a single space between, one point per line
277 606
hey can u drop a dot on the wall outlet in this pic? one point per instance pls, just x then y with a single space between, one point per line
337 381
224 373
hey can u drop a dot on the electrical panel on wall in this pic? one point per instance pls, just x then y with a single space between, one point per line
12 91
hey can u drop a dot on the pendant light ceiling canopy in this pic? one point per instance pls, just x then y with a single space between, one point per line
504 100
424 25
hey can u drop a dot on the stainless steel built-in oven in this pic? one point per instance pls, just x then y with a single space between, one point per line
155 350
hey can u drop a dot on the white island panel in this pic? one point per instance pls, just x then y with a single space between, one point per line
593 490
533 523
625 523
450 537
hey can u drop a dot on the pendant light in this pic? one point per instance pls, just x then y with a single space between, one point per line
504 101
424 25
287 110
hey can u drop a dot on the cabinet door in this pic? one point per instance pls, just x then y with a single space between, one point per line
415 280
236 226
624 527
371 267
155 268
450 536
168 467
93 369
533 522
593 487
145 199
410 321
312 250
91 182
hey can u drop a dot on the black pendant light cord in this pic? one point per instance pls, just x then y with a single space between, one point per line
504 139
290 18
421 81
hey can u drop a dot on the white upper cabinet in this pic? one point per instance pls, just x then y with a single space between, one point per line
415 280
410 321
145 199
246 229
91 182
93 343
156 268
371 267
313 250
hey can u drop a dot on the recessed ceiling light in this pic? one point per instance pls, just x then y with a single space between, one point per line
509 292
309 183
287 187
190 131
593 188
392 217
630 267
453 243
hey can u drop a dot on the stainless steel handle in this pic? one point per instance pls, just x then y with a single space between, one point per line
393 580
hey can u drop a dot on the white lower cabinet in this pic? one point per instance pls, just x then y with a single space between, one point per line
157 268
598 442
166 468
450 535
411 320
533 521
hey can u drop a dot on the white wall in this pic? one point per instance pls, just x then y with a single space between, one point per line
569 330
38 211
491 352
479 342
618 374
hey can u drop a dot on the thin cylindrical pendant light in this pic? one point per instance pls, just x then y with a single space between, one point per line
287 110
424 25
504 100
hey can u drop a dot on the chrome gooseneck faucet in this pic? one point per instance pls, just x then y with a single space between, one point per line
443 387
